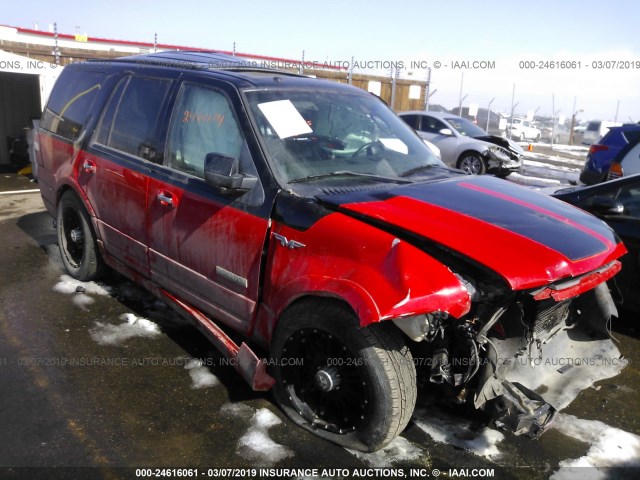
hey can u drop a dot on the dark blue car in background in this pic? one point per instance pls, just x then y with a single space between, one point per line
610 148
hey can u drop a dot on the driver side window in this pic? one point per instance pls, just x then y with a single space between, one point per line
203 122
432 125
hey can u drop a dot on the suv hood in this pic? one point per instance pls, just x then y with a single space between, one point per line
528 238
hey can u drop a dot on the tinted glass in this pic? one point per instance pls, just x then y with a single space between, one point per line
203 122
465 127
432 125
71 102
412 120
132 119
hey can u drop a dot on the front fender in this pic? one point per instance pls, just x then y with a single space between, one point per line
377 274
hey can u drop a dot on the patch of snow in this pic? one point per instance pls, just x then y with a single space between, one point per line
570 148
539 169
609 447
550 167
444 428
70 285
82 300
400 449
239 410
256 445
201 377
132 326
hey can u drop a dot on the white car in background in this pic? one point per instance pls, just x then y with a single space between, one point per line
522 130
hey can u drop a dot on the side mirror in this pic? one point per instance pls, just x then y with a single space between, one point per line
602 205
221 172
446 131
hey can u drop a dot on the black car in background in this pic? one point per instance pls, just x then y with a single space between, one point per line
618 203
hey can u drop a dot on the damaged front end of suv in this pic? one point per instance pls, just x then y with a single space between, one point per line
521 356
534 329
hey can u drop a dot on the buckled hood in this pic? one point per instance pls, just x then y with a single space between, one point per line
528 238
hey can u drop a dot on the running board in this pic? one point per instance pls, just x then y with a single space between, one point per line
252 369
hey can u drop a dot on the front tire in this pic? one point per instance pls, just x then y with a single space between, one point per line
77 240
472 164
353 386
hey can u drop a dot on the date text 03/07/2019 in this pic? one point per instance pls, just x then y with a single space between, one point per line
579 65
269 473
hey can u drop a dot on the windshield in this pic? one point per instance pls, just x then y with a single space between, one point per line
465 127
312 134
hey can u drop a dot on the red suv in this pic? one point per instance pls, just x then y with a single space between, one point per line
308 217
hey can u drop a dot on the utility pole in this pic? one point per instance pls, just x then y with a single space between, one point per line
513 96
56 50
489 113
460 97
350 73
427 91
617 110
573 121
395 73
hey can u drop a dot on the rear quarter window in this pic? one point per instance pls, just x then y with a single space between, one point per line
131 122
71 102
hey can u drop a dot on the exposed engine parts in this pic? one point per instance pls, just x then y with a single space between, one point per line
507 353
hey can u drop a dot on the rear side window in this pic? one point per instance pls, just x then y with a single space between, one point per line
131 122
412 120
71 102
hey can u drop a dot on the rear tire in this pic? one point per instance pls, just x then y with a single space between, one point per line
352 386
77 240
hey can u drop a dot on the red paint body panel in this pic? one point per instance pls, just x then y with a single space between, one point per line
193 239
245 361
380 276
122 229
56 160
585 283
488 244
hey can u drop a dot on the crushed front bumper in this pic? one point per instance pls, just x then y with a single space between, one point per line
528 377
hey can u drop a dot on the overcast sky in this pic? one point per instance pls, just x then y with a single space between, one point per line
503 32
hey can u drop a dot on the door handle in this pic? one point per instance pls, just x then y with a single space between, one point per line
89 166
167 199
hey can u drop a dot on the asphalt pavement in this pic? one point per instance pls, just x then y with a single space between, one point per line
101 381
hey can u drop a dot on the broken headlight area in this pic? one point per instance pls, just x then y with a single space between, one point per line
500 158
518 358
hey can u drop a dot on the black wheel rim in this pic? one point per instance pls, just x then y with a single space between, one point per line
325 381
72 236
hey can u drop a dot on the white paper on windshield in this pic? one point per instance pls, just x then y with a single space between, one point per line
395 144
284 118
